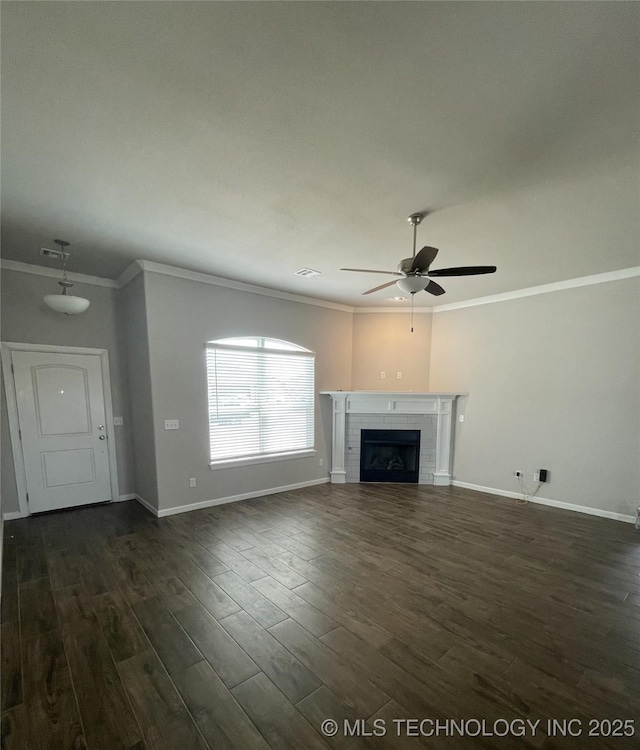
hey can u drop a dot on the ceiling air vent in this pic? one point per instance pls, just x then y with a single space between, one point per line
307 272
47 253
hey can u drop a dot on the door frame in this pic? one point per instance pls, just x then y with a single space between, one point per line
6 349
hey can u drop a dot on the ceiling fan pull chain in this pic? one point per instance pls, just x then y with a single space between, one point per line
412 296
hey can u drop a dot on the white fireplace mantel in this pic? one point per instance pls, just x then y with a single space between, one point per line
384 402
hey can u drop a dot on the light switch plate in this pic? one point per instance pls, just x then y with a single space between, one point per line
117 421
171 424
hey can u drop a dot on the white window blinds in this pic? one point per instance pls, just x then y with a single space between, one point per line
261 398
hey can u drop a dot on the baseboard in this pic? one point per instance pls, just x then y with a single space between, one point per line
546 501
12 515
231 498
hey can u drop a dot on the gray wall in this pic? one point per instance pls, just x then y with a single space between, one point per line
383 342
26 319
183 315
133 322
553 382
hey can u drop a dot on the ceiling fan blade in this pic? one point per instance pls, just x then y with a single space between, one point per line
434 288
463 271
424 259
369 270
382 286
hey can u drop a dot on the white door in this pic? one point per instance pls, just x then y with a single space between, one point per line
63 429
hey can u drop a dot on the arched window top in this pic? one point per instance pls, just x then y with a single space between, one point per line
259 342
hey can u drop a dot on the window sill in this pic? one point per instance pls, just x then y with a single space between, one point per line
251 460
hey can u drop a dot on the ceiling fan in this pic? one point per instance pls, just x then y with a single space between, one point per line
414 272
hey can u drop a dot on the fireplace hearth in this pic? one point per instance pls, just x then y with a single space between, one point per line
389 456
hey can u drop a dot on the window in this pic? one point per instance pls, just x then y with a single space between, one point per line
261 399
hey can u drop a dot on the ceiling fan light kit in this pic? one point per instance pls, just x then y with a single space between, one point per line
65 302
411 284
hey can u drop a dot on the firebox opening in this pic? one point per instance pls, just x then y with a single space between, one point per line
389 455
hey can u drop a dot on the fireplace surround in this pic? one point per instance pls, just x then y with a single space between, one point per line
431 413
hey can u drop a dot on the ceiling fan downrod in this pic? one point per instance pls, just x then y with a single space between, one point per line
415 220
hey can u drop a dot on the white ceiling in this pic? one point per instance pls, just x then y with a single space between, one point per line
248 140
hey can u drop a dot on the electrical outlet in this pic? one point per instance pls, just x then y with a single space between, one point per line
399 375
322 462
192 482
517 473
383 375
461 418
542 475
117 421
171 424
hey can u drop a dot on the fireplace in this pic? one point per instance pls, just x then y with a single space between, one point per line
433 414
389 455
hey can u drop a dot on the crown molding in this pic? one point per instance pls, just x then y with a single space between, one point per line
139 266
394 310
205 278
54 273
557 286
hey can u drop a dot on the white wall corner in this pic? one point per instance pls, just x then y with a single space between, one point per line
148 506
129 273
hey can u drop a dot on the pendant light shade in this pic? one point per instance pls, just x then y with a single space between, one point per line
65 303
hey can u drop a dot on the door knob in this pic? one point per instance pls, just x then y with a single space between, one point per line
102 437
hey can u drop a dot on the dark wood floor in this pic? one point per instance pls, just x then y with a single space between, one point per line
245 625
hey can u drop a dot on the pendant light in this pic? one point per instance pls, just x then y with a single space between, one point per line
65 303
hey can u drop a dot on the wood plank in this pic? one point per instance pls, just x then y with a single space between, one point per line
9 601
120 628
104 707
350 685
13 734
229 661
349 616
295 607
165 722
250 599
11 665
37 609
172 644
53 716
277 570
223 723
287 672
323 704
64 568
208 593
283 726
235 561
